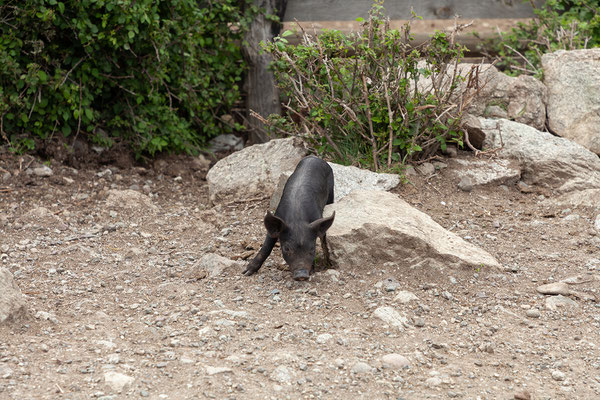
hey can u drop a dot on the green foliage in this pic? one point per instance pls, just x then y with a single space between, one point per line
558 25
154 74
371 98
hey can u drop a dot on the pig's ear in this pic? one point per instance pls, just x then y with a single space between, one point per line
320 226
274 225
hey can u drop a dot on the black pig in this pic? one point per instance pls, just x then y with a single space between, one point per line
298 219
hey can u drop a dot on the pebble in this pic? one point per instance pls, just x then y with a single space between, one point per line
395 361
554 302
361 368
324 338
391 317
281 374
216 370
419 322
522 395
433 381
390 285
466 184
597 223
404 297
426 169
117 381
554 288
43 171
558 375
533 313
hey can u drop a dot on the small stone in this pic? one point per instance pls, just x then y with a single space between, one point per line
419 322
533 313
391 317
597 223
324 338
433 381
522 395
524 188
466 184
117 381
216 370
554 302
558 375
281 374
361 368
395 361
426 169
404 297
390 285
554 288
43 171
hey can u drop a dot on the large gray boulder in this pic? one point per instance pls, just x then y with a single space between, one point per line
346 179
373 227
573 82
498 95
545 160
12 304
253 171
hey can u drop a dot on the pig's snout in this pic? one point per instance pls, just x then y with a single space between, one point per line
301 275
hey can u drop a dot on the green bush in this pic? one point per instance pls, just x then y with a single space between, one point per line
558 25
156 75
371 98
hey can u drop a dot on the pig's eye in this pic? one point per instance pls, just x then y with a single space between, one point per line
285 249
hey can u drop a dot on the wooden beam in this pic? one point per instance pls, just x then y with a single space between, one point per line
349 10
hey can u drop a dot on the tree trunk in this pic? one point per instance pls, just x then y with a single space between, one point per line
263 95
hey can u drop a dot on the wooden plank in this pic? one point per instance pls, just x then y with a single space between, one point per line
349 10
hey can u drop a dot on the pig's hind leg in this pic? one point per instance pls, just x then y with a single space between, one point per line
262 255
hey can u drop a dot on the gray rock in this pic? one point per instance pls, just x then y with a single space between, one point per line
324 338
533 313
130 200
554 302
487 172
597 223
361 368
374 227
226 142
581 198
465 184
391 317
426 169
282 374
216 370
544 159
395 361
405 297
253 171
521 99
43 171
117 381
558 375
213 265
574 95
348 179
554 288
12 303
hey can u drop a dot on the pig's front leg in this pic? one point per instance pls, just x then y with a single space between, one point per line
262 255
325 250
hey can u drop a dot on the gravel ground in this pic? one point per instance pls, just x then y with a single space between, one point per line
115 265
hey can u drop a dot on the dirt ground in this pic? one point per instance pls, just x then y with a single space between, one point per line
118 308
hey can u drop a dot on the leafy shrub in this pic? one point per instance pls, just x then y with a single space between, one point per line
363 98
157 75
558 25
